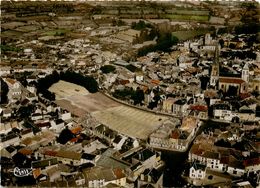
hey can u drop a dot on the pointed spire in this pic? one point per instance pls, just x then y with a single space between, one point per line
246 67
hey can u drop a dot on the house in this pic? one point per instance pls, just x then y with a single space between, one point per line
150 178
53 173
64 156
7 113
31 88
171 138
167 105
255 85
200 111
57 125
197 171
11 150
246 114
100 177
252 165
79 179
235 167
89 158
222 111
32 97
118 141
36 116
5 71
141 160
180 107
66 116
42 164
10 139
26 133
139 77
15 89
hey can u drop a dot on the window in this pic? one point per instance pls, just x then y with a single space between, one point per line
222 86
234 172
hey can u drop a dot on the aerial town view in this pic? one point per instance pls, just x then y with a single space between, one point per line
131 94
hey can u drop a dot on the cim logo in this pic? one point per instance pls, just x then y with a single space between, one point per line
22 172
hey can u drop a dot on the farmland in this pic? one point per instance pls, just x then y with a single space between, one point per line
179 17
185 35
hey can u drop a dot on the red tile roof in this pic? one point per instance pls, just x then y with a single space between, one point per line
175 134
25 151
76 130
11 81
231 80
157 82
119 173
50 153
251 162
199 107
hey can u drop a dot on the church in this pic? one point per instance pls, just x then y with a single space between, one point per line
231 84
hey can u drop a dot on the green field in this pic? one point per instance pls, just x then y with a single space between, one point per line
185 35
56 32
188 12
186 17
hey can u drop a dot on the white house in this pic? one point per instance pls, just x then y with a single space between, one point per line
15 89
252 165
7 113
57 125
8 140
223 112
139 77
27 133
236 169
197 171
36 116
66 116
31 88
5 71
118 141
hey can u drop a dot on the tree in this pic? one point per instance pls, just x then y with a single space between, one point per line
138 96
25 111
221 42
65 136
232 91
232 46
223 143
107 69
204 80
3 92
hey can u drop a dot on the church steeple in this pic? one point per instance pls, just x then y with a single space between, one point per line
245 73
214 76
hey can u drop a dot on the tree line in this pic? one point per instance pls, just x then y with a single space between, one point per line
130 94
4 91
45 83
164 42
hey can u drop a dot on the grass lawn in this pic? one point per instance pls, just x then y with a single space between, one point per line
56 32
185 35
186 17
